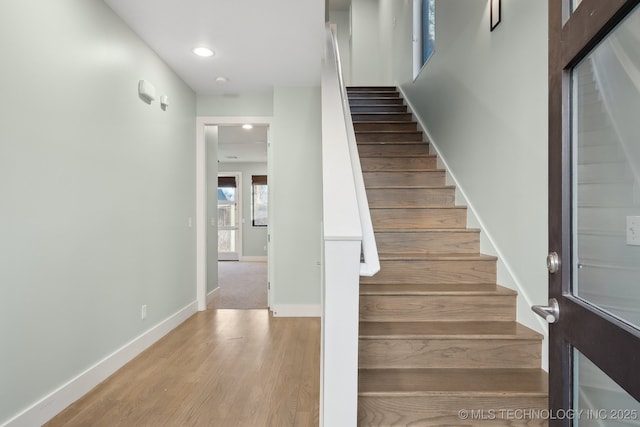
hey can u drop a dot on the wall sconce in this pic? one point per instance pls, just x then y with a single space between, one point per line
495 8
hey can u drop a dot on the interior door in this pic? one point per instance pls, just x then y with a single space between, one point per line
229 217
594 212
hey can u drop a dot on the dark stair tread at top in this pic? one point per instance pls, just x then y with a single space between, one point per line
452 381
366 88
447 330
422 289
378 114
382 122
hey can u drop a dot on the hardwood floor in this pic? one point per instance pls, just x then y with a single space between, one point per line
219 368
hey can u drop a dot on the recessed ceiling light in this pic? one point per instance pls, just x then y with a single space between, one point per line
221 79
203 51
247 126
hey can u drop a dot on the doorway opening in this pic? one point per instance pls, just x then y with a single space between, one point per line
233 166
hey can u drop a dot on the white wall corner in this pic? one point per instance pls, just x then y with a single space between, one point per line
505 275
52 404
297 310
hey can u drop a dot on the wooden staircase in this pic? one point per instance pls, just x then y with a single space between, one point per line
437 334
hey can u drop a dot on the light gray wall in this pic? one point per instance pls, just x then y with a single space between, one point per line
370 60
97 188
483 100
245 104
254 239
296 196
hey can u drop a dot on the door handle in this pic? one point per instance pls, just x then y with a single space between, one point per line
551 312
553 262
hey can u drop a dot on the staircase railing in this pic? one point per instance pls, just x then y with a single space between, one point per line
349 248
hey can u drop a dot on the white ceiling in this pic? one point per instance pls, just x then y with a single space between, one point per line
258 44
246 145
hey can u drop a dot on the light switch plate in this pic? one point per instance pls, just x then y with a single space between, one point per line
633 230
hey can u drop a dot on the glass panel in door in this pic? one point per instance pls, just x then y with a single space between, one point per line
606 174
228 227
598 399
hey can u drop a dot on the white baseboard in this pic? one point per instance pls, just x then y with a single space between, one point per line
211 295
297 310
52 404
253 258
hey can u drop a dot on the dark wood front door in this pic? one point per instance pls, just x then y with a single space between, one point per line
594 211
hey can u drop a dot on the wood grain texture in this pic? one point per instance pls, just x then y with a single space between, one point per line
374 94
371 164
388 136
219 368
416 218
400 308
413 197
498 410
384 116
435 271
378 108
415 148
401 178
431 382
414 346
391 126
464 241
354 100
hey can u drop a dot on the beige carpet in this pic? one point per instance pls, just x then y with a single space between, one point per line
243 285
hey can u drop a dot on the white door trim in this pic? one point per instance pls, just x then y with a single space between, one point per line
201 197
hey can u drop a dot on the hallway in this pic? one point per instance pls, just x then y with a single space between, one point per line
219 368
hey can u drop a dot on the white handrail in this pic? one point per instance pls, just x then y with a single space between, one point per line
347 234
371 262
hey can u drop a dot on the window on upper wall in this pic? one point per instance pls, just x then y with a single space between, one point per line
259 200
424 33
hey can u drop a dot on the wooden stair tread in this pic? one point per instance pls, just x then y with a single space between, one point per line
394 132
474 289
390 171
383 122
429 230
452 381
371 88
392 143
399 156
447 330
418 207
426 256
405 187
